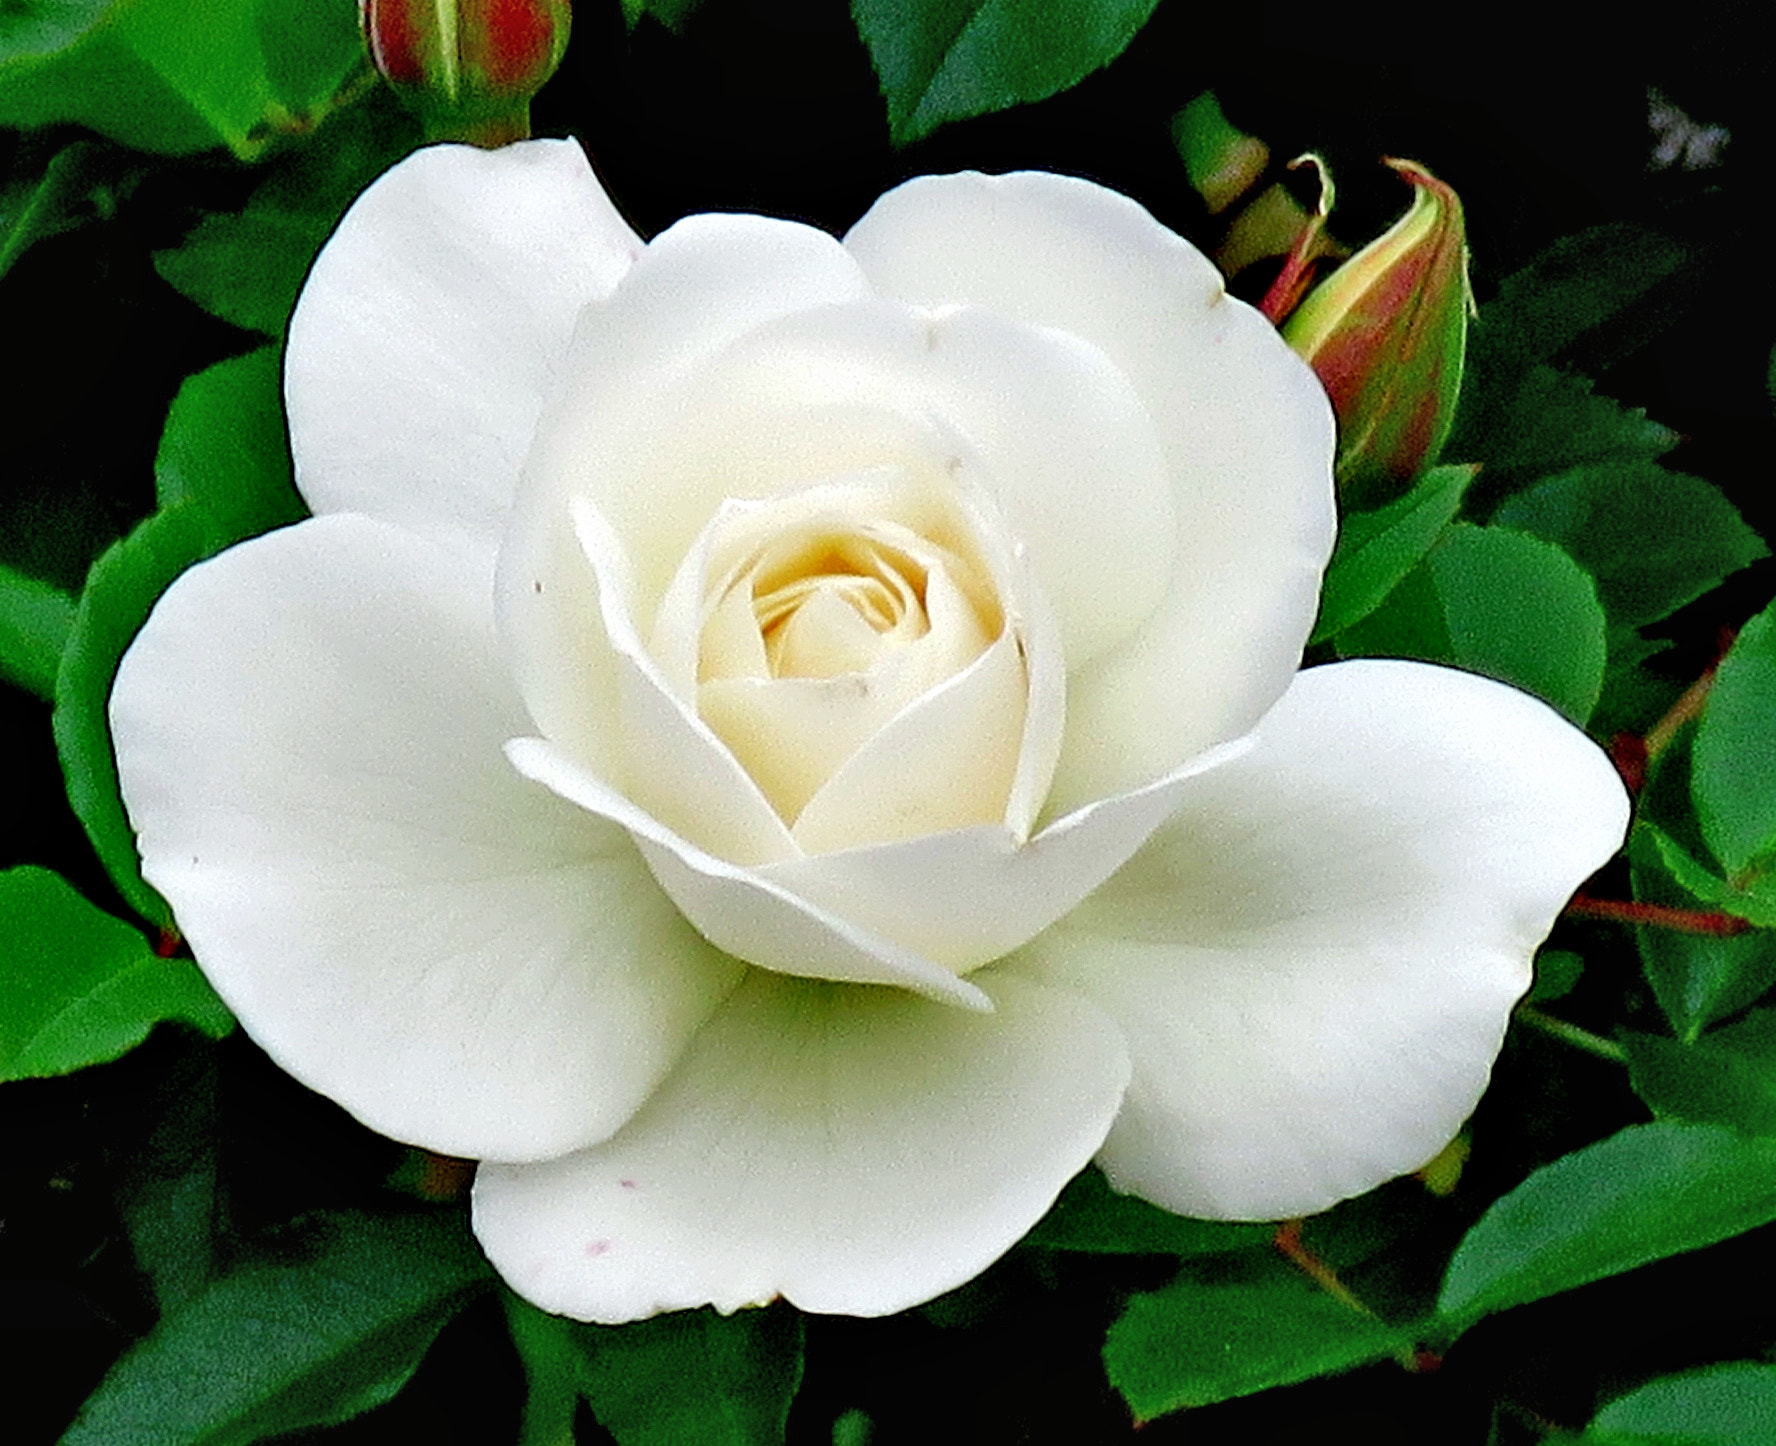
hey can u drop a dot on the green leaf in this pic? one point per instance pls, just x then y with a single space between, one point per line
1725 1405
168 1189
1197 1342
71 61
1222 161
178 75
225 450
278 1345
1634 696
694 1378
690 1378
83 182
1652 539
1093 1219
120 590
947 60
1727 1077
1501 603
1554 421
1557 974
247 266
1696 978
551 1373
1733 777
78 987
35 621
33 28
673 14
1580 284
1645 1193
1598 293
1755 903
1377 549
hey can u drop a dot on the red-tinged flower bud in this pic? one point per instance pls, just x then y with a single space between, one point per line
1386 333
469 67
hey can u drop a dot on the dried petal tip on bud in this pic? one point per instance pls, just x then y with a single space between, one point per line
464 64
1386 333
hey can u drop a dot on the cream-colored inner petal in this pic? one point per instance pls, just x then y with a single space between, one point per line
804 625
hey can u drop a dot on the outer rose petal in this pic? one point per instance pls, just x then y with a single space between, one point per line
427 337
1315 959
1046 416
308 734
855 1150
699 285
738 909
1245 428
971 895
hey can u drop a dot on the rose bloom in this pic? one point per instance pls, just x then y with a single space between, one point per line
787 749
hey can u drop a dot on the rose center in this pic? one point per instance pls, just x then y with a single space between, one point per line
831 605
814 625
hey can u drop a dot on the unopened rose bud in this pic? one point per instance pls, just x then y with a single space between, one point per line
1386 333
469 67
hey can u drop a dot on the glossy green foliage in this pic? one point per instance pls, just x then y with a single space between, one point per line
948 60
1645 1193
294 1284
690 1378
246 266
1697 978
1734 769
1497 602
1376 550
1729 1405
1651 538
223 473
78 987
36 619
1596 291
81 183
1548 420
1202 1340
331 1328
120 591
1726 1077
178 75
225 451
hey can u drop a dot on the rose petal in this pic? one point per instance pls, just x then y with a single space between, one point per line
1048 417
445 300
1246 433
946 762
671 765
699 285
1316 958
308 736
971 895
739 910
852 1150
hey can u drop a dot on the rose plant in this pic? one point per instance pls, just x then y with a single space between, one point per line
787 749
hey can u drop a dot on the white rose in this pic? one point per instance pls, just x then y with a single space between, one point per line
793 748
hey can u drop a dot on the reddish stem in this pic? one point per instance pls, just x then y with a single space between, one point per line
1658 916
1296 1251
